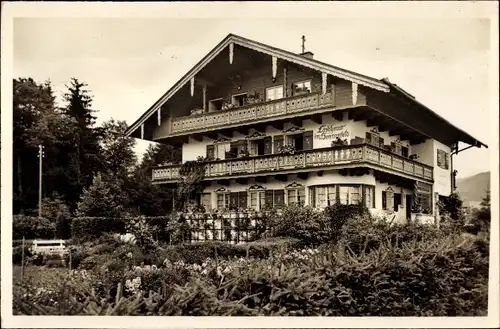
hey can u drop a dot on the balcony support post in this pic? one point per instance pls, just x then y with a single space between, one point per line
204 98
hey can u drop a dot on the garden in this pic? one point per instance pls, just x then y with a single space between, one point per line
337 262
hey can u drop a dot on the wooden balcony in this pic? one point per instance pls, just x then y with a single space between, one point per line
252 112
303 161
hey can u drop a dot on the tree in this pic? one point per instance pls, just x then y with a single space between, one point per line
104 198
451 211
118 154
483 215
145 197
34 115
79 107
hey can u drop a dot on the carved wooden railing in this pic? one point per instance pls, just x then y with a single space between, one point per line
252 112
323 157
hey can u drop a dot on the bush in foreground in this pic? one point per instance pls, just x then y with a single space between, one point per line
445 276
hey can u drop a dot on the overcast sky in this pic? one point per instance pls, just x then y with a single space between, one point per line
129 63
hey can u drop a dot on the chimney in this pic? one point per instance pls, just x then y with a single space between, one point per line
308 54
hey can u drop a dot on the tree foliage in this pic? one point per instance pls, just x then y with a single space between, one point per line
104 198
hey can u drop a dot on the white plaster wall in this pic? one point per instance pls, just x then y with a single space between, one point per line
194 149
425 152
442 177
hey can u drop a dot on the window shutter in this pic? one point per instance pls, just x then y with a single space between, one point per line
233 200
446 161
368 138
308 140
269 198
381 142
384 200
268 145
242 200
211 151
439 160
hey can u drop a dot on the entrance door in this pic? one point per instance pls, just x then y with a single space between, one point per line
408 206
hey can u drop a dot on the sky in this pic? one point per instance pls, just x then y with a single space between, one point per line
129 63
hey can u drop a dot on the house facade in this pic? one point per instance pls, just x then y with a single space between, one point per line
278 128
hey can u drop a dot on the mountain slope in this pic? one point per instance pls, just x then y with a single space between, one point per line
473 188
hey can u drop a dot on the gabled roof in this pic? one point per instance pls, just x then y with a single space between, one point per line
395 89
266 49
383 85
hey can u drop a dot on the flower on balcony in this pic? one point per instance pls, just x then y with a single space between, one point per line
243 154
196 111
414 156
339 142
287 149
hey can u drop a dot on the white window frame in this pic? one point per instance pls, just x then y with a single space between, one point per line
275 88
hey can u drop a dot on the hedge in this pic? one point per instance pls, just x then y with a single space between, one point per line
31 227
90 228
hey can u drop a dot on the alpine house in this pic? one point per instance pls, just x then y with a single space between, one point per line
278 128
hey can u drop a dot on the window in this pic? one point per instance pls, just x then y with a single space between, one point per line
296 196
398 200
388 199
237 149
405 151
354 195
327 195
423 193
221 149
272 199
240 99
273 93
303 87
238 200
254 200
223 201
443 159
374 139
211 152
215 105
396 148
257 147
344 194
369 197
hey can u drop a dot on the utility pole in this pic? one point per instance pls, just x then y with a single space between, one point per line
40 156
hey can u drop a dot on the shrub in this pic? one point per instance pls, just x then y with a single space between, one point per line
301 223
32 227
91 228
17 254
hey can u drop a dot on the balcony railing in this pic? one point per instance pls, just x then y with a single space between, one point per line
252 112
324 157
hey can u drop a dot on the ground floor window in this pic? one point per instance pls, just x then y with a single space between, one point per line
296 196
325 195
423 197
369 196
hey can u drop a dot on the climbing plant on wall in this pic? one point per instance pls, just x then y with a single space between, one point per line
192 174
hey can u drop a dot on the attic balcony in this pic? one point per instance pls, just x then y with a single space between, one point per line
339 157
289 107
